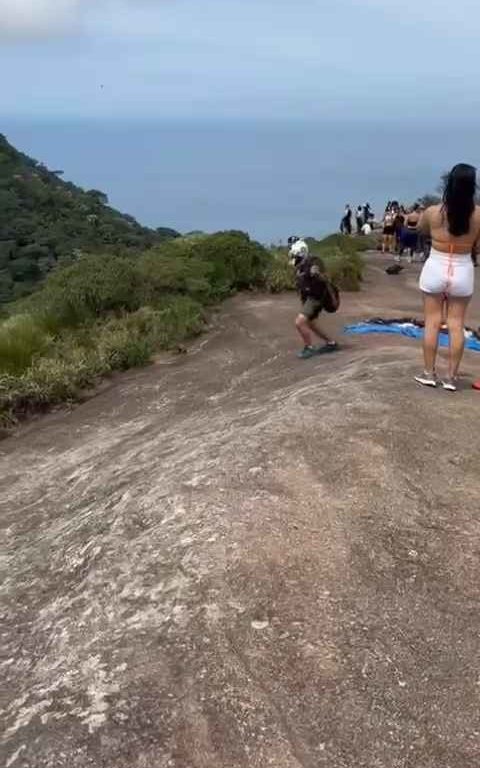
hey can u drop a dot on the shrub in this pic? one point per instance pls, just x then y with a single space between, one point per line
345 270
236 261
22 337
129 341
179 318
80 355
172 269
280 274
90 288
120 346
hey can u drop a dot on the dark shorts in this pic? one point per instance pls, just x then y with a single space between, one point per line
311 308
387 230
409 238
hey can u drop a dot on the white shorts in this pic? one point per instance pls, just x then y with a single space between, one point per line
451 274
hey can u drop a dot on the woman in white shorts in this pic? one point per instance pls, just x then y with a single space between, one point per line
448 274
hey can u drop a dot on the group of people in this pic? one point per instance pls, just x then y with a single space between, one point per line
401 231
364 217
446 282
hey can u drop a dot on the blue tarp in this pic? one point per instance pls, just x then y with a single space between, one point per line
407 329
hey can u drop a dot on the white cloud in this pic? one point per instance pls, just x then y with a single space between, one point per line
27 19
30 19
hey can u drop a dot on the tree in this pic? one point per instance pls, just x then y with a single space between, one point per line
166 233
99 197
44 219
24 270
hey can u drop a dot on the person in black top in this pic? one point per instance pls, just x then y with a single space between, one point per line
359 219
346 225
399 224
409 238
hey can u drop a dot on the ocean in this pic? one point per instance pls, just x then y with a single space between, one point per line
270 179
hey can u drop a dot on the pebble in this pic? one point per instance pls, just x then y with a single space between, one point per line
259 625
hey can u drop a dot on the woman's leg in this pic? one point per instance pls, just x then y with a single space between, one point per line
457 306
433 304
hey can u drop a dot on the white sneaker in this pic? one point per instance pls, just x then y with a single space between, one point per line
427 379
450 385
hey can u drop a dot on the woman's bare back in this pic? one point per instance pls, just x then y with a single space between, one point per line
434 220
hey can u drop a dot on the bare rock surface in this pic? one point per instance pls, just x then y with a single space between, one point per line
234 558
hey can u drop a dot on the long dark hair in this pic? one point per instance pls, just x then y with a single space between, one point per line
459 198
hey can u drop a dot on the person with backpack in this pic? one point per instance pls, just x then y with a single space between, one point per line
316 293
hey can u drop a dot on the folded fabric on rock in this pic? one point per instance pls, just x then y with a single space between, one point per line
409 329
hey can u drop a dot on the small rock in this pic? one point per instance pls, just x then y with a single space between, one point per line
259 625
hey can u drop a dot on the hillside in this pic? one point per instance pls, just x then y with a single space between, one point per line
45 221
236 559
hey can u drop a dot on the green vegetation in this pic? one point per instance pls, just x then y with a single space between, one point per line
45 222
112 312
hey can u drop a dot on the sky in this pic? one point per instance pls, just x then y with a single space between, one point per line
249 59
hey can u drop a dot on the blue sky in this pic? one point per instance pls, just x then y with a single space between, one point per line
301 59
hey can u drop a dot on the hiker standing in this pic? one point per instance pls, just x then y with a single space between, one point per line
454 227
388 230
399 224
409 236
359 219
346 225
